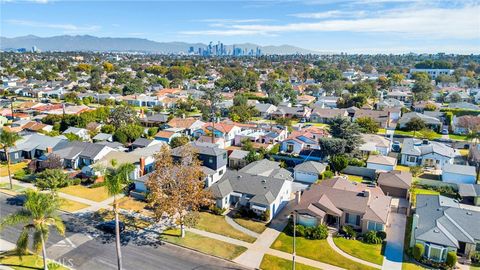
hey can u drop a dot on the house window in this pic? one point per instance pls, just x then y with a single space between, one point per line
226 200
289 147
374 226
352 219
412 159
15 156
220 172
434 252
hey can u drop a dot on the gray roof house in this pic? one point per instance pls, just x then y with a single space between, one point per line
31 146
395 183
442 224
267 168
80 132
470 193
459 174
431 122
256 192
426 153
309 171
100 137
77 154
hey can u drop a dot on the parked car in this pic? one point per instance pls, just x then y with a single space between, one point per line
109 226
396 146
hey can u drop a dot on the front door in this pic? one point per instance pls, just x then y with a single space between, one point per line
461 248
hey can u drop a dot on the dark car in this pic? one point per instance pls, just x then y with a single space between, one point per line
18 200
130 187
109 226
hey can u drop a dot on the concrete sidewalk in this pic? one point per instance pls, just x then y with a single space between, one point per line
395 236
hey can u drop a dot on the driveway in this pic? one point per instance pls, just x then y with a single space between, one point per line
395 236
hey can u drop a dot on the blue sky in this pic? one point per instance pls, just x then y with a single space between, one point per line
353 26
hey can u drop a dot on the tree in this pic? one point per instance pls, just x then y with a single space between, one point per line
7 141
179 141
338 162
430 107
128 133
115 180
51 179
368 125
332 146
343 128
418 251
415 124
422 89
451 260
123 115
73 137
177 187
416 170
38 215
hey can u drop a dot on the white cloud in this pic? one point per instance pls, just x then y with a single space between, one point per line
26 1
453 23
330 14
224 21
67 28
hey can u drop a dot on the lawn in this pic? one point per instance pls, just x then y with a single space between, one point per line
355 178
417 191
410 134
411 266
402 168
71 206
16 188
255 226
475 267
203 244
132 204
27 262
97 194
217 224
457 137
13 168
130 222
464 152
270 262
318 250
367 252
381 131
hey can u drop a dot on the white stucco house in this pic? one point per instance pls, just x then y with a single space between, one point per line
381 163
426 153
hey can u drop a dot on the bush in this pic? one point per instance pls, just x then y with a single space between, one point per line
371 237
418 251
216 210
327 174
451 259
476 257
266 215
349 232
382 235
318 232
416 170
99 184
75 181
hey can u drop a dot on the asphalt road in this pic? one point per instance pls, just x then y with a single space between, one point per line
86 248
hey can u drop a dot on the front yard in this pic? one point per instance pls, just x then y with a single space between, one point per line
402 168
130 222
13 168
318 250
367 252
71 206
457 137
270 262
132 204
217 224
97 194
254 226
26 262
203 244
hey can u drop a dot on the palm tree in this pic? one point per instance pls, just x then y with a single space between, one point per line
115 179
37 215
7 141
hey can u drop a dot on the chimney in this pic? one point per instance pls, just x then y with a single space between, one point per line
142 166
298 197
49 149
366 193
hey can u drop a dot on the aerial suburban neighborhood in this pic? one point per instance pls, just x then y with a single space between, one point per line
127 153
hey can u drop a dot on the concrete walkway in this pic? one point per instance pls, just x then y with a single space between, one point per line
306 261
395 236
238 227
331 243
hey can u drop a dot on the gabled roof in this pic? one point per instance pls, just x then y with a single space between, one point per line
382 160
398 179
311 166
417 147
459 169
36 141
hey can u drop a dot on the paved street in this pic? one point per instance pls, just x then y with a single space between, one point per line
86 248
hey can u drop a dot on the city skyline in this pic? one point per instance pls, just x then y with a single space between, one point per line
352 26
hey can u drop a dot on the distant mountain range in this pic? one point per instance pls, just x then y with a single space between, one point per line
107 44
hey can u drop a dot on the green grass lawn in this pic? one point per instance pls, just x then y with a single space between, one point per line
402 168
255 226
457 137
318 250
13 168
367 252
97 194
381 131
26 262
217 224
355 178
411 266
16 188
418 191
475 267
270 262
203 244
71 206
410 134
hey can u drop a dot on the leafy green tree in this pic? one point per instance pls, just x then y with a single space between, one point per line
73 137
368 125
179 141
422 89
107 128
415 124
338 162
7 141
133 87
455 97
128 133
343 128
332 146
452 259
37 216
123 115
51 179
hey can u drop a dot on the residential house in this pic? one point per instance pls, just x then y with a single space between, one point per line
470 193
464 106
30 147
236 159
187 124
459 174
300 140
433 72
325 115
426 153
298 112
221 130
305 99
338 202
395 183
142 143
381 163
403 96
441 225
76 154
154 120
375 143
430 121
464 97
167 135
327 102
382 118
265 109
82 133
309 171
100 137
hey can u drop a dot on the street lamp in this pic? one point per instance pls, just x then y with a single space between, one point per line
294 214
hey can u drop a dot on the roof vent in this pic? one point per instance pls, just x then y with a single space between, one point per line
439 209
436 231
239 176
264 181
469 213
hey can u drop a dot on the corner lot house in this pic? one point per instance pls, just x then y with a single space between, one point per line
426 153
309 171
459 174
442 225
395 183
338 202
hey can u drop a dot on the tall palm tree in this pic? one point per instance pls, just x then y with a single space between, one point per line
37 215
115 180
7 141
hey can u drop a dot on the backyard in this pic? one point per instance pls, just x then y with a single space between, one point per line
368 252
203 244
417 191
324 253
217 224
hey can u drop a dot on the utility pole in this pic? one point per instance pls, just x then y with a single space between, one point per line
294 235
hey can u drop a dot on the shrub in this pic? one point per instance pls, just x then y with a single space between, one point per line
327 174
216 210
318 232
418 251
476 257
99 184
451 259
266 215
349 231
371 237
416 170
75 181
382 235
